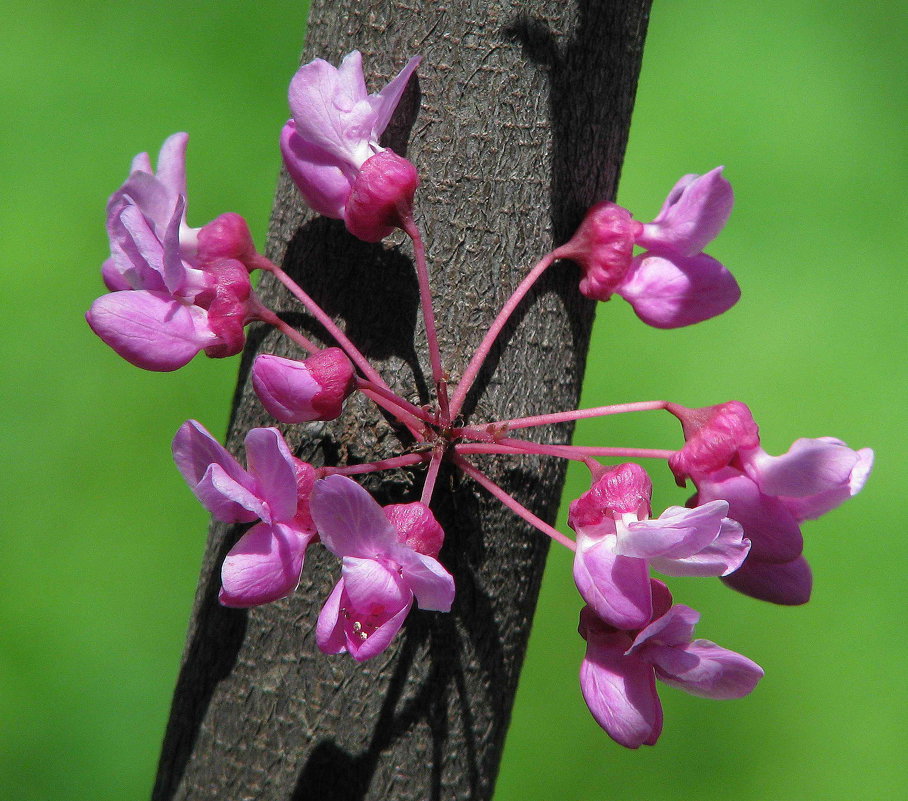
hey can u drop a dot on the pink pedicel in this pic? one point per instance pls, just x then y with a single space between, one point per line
166 303
334 132
770 496
300 391
266 562
617 543
380 574
673 283
619 671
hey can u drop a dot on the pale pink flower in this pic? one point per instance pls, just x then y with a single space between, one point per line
266 562
619 671
617 543
382 570
299 391
331 149
768 495
165 305
673 283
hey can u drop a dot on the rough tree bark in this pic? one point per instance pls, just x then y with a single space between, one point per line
518 122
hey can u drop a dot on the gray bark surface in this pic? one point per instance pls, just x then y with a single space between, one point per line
517 123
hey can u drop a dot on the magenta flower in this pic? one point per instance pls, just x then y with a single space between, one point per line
768 495
164 306
331 150
618 672
673 283
299 391
382 570
617 544
266 562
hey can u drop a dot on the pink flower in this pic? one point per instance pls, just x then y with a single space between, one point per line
165 306
331 149
768 495
673 283
382 569
617 543
299 391
266 562
618 673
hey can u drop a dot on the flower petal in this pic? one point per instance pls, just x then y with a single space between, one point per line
670 291
349 519
329 630
272 466
285 387
620 691
675 627
694 212
385 102
616 587
319 175
171 170
426 577
263 566
703 668
722 556
678 532
773 532
788 584
150 329
227 499
330 112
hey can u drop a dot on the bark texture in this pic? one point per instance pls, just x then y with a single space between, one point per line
517 123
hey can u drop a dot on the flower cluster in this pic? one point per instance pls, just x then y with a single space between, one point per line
176 291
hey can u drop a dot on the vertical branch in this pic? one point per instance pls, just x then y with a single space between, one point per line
518 123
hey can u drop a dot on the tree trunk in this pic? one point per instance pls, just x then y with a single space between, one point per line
518 122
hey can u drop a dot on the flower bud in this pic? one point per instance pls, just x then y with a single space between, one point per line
381 196
603 246
621 490
713 435
226 237
416 527
298 392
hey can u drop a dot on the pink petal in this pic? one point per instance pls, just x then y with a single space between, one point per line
788 584
150 329
285 387
695 211
675 627
141 163
678 532
385 102
349 519
323 180
263 566
329 630
432 585
722 556
114 274
620 691
810 466
330 112
616 587
137 249
171 170
772 530
377 601
374 589
194 449
703 668
227 499
272 466
148 196
670 291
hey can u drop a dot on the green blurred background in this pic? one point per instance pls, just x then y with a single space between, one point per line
805 104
